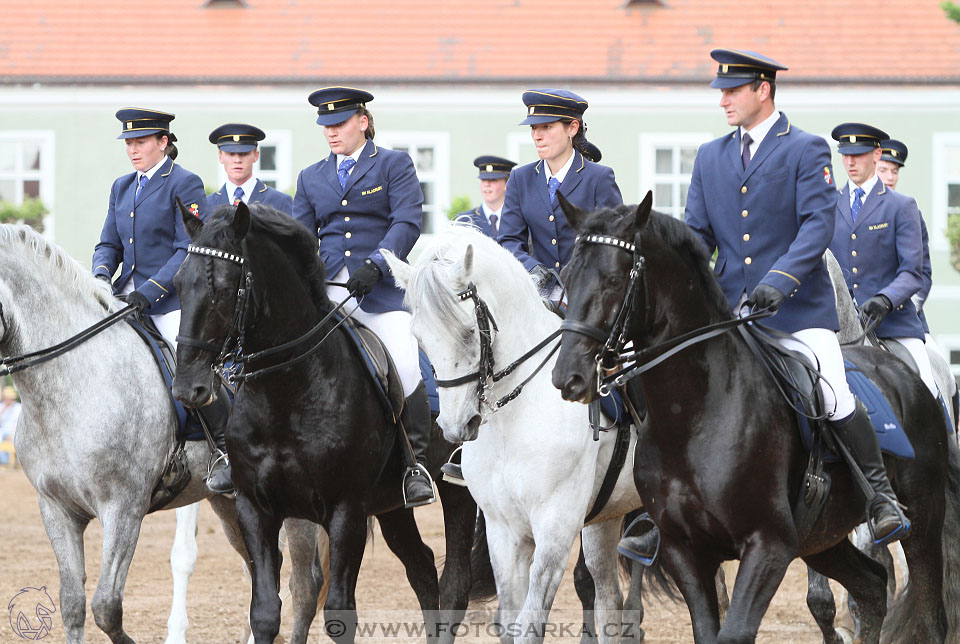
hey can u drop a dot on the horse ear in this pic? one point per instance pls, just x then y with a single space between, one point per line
400 269
468 261
642 215
241 221
191 223
573 214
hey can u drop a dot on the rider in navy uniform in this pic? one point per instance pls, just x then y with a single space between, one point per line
893 156
357 200
763 196
878 243
494 172
237 151
533 227
144 234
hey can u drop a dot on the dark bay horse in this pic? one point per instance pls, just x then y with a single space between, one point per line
312 439
720 464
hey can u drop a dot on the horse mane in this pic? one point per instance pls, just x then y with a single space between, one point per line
676 235
299 246
64 271
432 276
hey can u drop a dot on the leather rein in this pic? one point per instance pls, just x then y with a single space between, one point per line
485 376
231 349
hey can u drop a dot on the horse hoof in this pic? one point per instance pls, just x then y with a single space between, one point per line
844 636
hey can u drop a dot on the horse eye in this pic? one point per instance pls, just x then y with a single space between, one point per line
613 281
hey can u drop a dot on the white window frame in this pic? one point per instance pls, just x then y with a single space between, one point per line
648 145
940 178
283 175
517 141
950 342
45 175
435 216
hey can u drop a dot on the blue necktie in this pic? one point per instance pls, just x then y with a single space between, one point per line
857 203
493 224
745 153
553 185
344 171
237 196
143 184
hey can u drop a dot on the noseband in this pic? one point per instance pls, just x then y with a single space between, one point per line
485 374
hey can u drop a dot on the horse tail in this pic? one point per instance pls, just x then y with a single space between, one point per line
483 585
906 608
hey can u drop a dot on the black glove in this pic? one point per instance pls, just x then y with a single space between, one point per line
138 300
364 279
766 297
541 276
877 307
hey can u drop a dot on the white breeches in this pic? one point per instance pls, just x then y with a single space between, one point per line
823 348
393 329
918 350
168 324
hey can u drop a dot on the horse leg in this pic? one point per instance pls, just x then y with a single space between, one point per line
121 529
459 521
261 532
347 528
65 532
633 605
761 570
865 580
306 575
510 557
183 561
695 577
822 606
586 593
600 553
864 543
400 531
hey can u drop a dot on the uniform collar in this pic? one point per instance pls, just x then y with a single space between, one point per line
562 173
760 130
249 186
867 188
152 171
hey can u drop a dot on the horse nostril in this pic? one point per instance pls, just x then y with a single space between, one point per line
573 388
474 423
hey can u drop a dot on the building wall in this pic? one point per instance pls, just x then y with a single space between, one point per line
452 125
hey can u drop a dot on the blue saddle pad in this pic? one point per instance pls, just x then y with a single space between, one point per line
188 427
426 371
890 434
612 406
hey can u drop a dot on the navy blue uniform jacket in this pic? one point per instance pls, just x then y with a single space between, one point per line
381 207
882 254
261 194
770 223
536 231
478 219
148 237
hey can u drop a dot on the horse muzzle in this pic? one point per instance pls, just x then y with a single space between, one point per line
457 433
194 396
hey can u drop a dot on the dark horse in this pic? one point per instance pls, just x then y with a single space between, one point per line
309 439
720 461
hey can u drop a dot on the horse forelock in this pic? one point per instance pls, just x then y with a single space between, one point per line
674 234
24 247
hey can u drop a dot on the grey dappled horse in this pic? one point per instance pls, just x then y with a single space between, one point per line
96 431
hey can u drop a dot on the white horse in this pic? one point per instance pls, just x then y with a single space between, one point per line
95 433
532 465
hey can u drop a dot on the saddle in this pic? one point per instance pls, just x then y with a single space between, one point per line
379 365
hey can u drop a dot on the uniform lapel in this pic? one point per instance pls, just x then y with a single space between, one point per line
843 204
364 163
572 180
540 184
770 142
481 220
873 200
258 192
329 172
158 178
733 153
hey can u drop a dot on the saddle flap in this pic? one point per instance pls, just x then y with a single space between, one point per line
378 362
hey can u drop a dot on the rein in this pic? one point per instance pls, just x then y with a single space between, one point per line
231 349
13 364
612 354
485 374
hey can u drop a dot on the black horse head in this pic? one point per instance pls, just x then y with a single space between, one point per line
662 253
232 253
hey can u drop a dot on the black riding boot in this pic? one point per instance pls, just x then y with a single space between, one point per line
452 472
856 432
417 484
644 546
215 416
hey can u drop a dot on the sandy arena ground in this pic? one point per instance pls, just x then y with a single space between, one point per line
219 595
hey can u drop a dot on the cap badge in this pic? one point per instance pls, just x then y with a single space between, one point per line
725 68
129 126
853 139
236 137
330 107
489 168
894 153
532 110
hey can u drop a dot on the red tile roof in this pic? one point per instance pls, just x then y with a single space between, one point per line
470 40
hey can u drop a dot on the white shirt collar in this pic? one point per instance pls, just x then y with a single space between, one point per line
487 211
562 173
355 156
759 132
867 188
248 187
152 171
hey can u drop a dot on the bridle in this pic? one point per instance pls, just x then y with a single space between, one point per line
611 357
231 349
485 375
